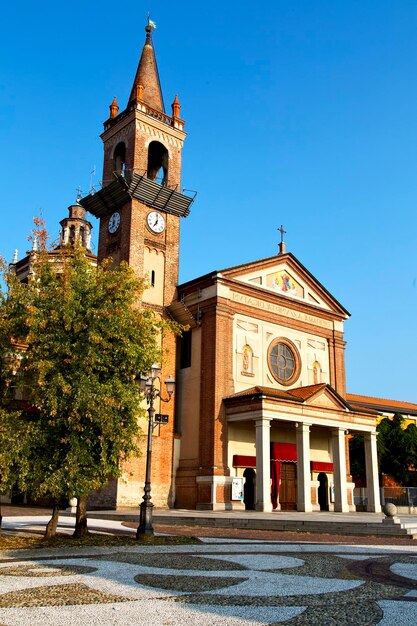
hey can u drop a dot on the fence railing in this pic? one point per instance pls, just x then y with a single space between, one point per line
400 496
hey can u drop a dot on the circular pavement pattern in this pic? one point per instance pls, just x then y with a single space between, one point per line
213 584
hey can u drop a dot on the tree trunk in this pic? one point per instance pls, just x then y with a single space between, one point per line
51 526
81 529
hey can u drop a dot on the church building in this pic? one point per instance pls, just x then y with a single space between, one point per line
261 418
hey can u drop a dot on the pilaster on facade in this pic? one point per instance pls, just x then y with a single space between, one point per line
216 380
217 493
337 363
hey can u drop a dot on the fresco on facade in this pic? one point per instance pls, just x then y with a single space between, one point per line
282 281
247 359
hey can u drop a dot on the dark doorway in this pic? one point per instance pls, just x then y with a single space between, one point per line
288 487
323 491
249 489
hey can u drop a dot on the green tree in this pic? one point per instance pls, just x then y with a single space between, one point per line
397 448
73 339
357 457
411 445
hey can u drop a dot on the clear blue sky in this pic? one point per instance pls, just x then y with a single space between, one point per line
298 112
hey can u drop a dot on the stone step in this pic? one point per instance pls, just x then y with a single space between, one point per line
337 528
275 523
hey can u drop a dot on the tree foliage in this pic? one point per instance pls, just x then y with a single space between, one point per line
398 447
357 457
397 450
73 339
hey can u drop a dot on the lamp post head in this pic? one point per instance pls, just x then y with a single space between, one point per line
141 381
170 385
155 371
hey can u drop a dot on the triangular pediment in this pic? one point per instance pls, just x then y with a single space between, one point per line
284 275
327 398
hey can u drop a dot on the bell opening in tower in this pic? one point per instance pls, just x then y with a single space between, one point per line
119 159
157 160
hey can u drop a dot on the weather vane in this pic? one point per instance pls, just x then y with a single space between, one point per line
151 24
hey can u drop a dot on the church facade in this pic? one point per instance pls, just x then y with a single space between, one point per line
261 418
262 394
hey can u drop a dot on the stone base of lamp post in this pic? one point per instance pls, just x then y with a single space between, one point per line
145 519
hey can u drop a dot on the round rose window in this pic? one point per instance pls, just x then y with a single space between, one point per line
283 361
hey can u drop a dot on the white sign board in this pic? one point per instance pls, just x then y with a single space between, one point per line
237 489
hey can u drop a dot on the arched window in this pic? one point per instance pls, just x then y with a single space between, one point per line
119 159
157 159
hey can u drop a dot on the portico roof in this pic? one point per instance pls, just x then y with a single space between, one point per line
297 394
316 404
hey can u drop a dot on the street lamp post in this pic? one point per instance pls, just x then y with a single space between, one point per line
147 385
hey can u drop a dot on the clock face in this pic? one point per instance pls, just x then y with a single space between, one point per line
114 222
156 222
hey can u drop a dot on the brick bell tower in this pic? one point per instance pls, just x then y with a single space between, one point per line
139 208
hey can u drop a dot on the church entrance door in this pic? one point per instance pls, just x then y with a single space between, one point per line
288 487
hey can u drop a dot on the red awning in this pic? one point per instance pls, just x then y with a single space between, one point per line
283 452
240 460
279 452
319 466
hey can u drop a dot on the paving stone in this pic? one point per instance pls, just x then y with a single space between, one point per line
216 583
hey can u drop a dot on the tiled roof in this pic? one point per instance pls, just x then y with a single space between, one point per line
383 404
307 391
298 393
267 391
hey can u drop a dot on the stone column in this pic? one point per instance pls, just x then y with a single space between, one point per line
372 482
339 469
303 468
263 465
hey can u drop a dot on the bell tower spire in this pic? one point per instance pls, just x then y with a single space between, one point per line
147 82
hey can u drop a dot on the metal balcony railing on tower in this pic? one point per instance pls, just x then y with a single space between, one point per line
132 184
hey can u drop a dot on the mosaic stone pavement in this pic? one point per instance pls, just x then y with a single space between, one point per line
228 583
